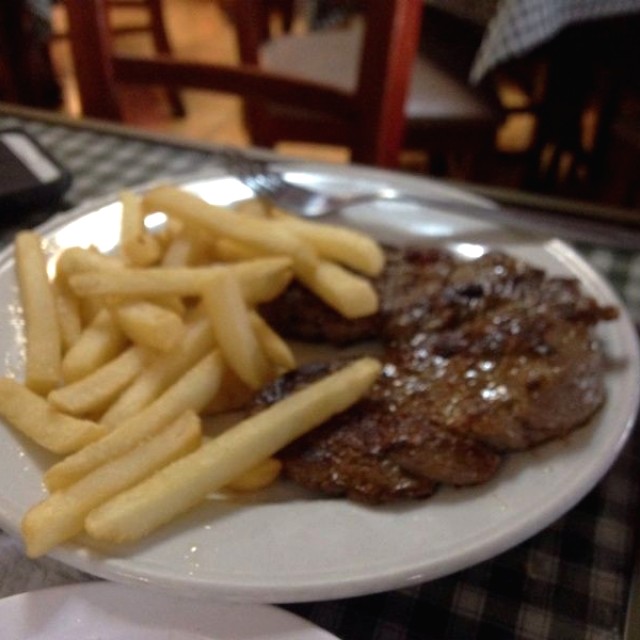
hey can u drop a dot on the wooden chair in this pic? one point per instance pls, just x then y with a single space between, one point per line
366 114
153 24
372 116
445 117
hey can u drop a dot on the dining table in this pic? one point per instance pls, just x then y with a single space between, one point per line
571 61
577 578
567 59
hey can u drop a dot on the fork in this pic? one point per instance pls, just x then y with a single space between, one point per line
258 175
572 224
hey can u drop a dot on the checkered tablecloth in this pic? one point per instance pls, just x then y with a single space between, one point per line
519 26
569 582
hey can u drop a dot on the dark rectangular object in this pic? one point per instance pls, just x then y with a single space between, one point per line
30 178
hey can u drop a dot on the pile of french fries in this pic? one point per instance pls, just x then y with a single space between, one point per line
127 354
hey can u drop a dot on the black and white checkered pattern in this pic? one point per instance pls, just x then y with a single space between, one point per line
569 582
521 25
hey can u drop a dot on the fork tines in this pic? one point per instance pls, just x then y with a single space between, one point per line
255 173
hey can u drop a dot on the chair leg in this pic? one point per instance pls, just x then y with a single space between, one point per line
162 45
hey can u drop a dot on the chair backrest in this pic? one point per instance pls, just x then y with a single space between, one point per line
373 113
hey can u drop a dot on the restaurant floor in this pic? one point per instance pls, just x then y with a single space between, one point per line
200 29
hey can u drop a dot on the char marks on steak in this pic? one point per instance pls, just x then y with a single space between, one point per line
481 357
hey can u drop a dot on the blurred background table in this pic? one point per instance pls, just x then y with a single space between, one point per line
572 581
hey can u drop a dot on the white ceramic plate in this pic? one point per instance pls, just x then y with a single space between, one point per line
286 545
110 611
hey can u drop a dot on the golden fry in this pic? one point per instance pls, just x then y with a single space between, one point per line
43 337
77 260
69 314
275 348
139 247
233 330
229 250
260 477
95 391
100 342
232 395
150 325
34 417
348 293
349 247
185 250
261 280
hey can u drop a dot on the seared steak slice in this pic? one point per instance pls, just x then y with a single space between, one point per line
511 400
493 289
503 353
482 357
376 451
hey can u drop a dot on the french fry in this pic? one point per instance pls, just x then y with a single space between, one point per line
349 247
229 250
348 293
254 207
260 477
149 324
193 391
100 342
162 372
261 280
220 222
43 337
233 330
172 303
95 391
90 308
69 314
186 482
139 247
61 515
34 417
276 349
76 260
185 250
232 395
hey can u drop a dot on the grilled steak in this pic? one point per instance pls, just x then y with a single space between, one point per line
377 451
481 358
